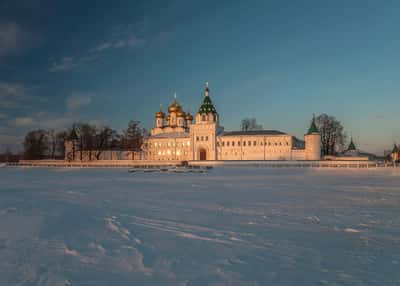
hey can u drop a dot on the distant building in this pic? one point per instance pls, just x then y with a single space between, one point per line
352 153
395 154
176 137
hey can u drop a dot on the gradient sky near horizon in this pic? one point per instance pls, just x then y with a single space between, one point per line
107 62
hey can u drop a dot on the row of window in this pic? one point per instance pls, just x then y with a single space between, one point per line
168 152
202 138
250 143
244 153
171 144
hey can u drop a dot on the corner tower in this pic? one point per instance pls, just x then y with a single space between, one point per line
313 142
204 132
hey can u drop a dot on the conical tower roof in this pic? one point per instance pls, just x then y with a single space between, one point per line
313 127
395 148
73 135
352 146
207 105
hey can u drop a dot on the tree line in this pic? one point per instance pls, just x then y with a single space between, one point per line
49 144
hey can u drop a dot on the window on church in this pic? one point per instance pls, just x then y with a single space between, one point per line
233 143
227 143
249 143
206 138
244 143
218 144
254 143
203 117
202 138
238 143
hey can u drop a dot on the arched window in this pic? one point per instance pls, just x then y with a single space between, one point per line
204 117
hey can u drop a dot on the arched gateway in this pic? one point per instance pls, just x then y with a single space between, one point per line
202 154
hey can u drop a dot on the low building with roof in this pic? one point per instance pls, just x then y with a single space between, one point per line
352 153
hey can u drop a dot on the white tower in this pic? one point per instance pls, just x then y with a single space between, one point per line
203 132
313 142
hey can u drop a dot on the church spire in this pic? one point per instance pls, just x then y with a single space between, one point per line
395 148
207 90
352 146
313 127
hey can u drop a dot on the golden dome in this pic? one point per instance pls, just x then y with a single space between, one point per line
160 114
174 107
180 114
189 116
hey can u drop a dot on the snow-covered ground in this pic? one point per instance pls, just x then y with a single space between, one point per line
232 226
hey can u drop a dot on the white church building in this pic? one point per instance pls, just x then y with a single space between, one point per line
176 137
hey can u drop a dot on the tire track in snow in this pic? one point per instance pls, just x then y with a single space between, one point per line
197 232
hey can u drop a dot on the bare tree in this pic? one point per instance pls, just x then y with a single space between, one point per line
104 138
132 137
250 124
36 145
332 134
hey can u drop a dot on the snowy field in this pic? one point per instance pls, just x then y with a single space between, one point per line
232 226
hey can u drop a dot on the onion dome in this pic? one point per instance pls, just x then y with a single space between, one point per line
189 116
160 114
180 114
313 128
207 106
174 107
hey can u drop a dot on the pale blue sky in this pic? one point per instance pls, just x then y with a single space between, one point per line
278 61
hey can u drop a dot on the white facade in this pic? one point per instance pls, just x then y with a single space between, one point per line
176 137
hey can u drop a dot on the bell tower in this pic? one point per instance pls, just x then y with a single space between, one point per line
204 132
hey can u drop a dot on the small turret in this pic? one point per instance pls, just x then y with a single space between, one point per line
160 115
71 146
173 109
313 142
180 118
189 119
352 146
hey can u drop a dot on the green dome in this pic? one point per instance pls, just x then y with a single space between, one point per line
207 106
313 128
